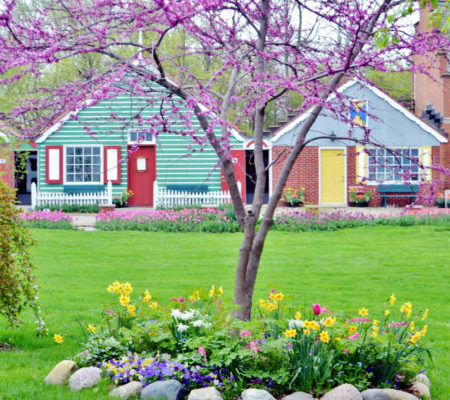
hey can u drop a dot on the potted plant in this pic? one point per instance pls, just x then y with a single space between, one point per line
359 196
294 197
121 201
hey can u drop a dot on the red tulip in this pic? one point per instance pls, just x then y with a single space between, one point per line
316 309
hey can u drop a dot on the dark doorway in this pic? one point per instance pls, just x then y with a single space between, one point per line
25 173
250 180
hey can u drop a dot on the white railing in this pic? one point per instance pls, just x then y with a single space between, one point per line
171 198
51 199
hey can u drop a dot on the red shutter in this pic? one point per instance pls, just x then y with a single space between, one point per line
53 164
111 164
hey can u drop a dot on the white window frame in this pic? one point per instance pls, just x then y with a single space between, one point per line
395 149
367 113
100 182
130 131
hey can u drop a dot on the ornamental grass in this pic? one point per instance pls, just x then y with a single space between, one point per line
285 348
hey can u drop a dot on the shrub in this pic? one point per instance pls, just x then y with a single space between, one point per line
47 220
18 287
70 208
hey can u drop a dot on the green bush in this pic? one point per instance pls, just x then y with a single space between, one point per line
18 287
70 208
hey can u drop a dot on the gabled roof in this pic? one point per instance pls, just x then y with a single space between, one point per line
378 92
70 114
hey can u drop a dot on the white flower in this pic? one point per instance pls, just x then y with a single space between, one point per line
197 323
182 328
207 324
296 323
176 313
187 315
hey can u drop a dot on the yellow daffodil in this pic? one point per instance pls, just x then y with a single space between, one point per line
376 322
92 328
425 315
219 292
290 333
424 330
271 306
279 296
110 289
337 339
324 337
352 329
130 308
153 305
211 291
195 297
315 326
414 338
124 300
147 296
386 313
306 331
298 315
375 331
58 338
329 321
392 299
412 326
273 296
407 309
126 288
363 312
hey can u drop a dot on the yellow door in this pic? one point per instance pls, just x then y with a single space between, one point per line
332 180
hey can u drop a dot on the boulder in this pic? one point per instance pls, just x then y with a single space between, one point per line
422 378
298 396
256 394
374 394
421 390
171 390
343 392
61 372
125 391
85 378
208 393
399 395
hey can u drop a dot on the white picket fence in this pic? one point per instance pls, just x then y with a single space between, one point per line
171 198
47 198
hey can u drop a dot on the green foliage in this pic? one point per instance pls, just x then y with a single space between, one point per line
70 208
18 287
397 84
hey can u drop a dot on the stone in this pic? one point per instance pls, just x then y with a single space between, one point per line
420 390
85 378
374 394
399 395
256 394
343 392
61 372
422 378
209 393
125 391
171 390
298 396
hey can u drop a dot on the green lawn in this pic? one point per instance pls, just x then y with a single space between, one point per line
346 270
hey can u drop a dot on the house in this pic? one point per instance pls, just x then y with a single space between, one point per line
328 168
102 142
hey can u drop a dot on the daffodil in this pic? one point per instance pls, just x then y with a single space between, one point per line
324 337
315 326
219 292
412 326
407 309
363 312
376 322
126 288
58 338
375 331
153 305
92 328
424 330
425 315
290 333
329 321
306 331
131 309
392 299
386 313
352 329
147 296
211 291
337 339
124 300
279 296
298 315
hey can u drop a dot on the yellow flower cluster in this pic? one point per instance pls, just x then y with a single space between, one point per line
312 325
195 297
298 315
92 328
123 288
329 322
407 309
324 337
375 331
215 292
290 333
268 305
417 335
147 296
153 305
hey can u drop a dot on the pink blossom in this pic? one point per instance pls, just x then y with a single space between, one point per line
181 299
245 333
316 309
354 336
254 348
345 351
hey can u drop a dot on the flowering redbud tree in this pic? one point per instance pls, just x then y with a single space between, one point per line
226 62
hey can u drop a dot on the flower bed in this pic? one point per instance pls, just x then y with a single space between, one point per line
284 348
47 219
184 220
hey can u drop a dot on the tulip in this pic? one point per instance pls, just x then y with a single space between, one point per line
316 309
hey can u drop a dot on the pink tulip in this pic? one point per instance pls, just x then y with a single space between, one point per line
316 309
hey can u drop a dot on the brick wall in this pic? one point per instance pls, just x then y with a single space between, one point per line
305 172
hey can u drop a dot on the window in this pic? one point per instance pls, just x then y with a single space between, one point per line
140 136
358 112
83 164
394 165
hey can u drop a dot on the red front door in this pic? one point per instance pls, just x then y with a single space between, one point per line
141 175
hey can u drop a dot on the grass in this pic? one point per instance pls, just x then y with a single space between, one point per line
341 270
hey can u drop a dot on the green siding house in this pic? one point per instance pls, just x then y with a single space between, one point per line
103 142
